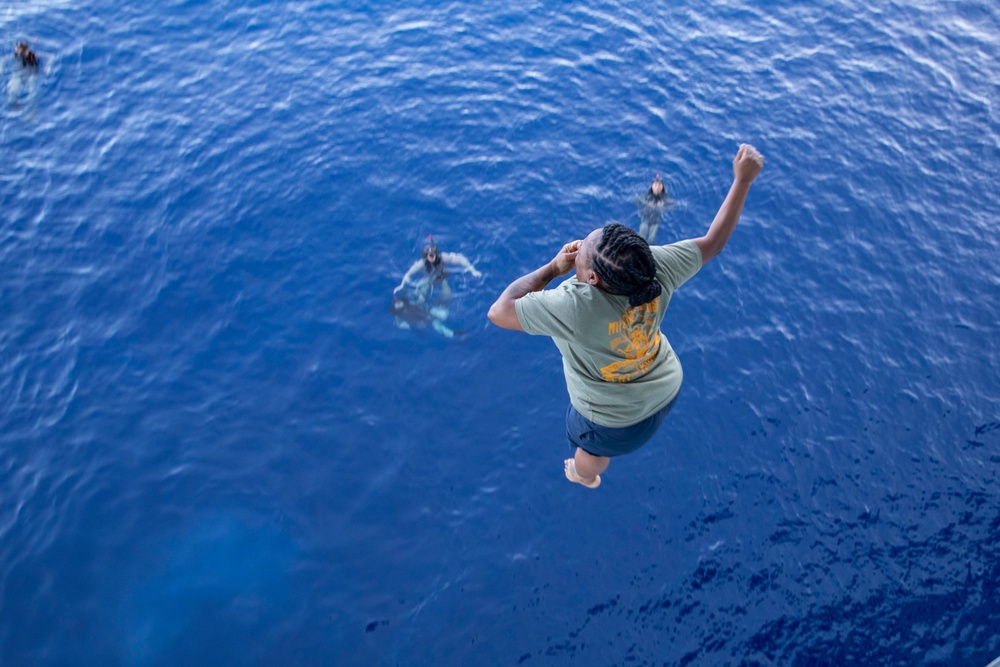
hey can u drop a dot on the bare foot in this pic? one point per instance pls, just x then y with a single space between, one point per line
570 467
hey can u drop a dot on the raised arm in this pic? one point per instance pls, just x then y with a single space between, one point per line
746 165
459 259
503 313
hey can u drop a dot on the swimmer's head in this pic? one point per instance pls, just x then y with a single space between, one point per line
656 187
430 253
24 54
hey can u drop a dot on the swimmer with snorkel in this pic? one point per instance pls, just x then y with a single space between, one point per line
427 290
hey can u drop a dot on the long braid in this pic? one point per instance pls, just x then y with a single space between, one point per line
625 264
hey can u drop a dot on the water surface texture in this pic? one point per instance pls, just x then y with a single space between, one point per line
217 449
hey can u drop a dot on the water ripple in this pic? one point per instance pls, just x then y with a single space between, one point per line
209 426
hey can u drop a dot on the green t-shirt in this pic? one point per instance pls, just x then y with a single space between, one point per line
619 367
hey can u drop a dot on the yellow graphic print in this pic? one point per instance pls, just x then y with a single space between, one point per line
636 338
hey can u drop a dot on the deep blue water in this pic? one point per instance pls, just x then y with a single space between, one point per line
216 449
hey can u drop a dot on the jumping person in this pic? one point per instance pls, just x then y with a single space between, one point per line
621 373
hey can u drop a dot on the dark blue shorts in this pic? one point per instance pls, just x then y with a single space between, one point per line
607 441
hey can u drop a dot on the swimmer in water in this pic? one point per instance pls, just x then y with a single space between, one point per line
429 274
427 290
22 83
25 56
418 317
653 205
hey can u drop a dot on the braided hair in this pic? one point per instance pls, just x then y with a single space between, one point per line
624 262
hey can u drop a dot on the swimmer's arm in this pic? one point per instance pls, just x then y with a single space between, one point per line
746 166
459 259
417 265
503 313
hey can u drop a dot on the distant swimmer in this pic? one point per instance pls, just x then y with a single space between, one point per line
422 296
428 277
25 56
418 317
622 375
22 83
653 206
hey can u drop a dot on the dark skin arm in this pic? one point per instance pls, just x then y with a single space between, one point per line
746 165
503 313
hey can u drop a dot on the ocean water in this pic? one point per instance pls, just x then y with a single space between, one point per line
217 449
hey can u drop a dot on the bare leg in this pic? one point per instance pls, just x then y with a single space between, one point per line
589 466
651 217
653 226
586 469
